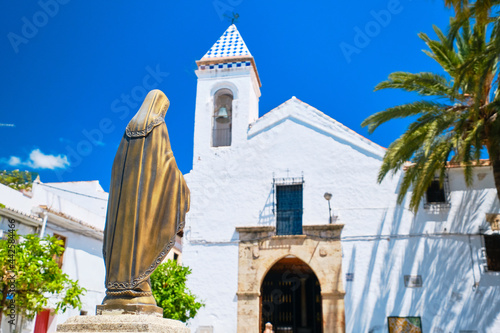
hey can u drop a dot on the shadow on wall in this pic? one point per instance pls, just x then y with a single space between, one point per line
448 300
266 215
467 220
362 310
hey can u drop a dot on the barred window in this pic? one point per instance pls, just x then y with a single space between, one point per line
492 245
437 194
289 209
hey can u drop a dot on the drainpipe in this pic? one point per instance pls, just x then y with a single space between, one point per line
44 224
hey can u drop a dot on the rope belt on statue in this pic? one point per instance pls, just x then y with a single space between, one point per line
128 293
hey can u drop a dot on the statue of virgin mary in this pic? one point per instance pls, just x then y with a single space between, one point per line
148 201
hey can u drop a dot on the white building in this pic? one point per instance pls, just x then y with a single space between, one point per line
258 238
74 212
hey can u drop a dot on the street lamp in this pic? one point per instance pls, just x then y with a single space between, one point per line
328 196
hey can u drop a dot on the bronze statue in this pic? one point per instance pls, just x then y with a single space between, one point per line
148 201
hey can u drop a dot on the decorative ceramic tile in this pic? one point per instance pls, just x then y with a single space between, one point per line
405 325
226 65
230 44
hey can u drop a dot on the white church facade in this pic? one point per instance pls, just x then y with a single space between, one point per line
263 245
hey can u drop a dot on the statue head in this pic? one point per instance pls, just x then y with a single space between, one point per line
151 113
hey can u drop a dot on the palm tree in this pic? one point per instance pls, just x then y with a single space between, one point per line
457 118
481 12
480 9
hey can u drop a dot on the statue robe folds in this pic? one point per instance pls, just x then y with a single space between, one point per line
148 200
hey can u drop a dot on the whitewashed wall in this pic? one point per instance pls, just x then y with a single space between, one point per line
15 199
382 242
88 205
444 248
82 259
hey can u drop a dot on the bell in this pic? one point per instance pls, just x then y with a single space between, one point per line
222 116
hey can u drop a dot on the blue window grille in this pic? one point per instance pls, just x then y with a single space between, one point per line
289 203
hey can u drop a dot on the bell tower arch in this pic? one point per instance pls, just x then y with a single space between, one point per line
222 118
227 96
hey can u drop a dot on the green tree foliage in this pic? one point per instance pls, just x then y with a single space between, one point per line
456 119
18 180
31 264
168 283
481 10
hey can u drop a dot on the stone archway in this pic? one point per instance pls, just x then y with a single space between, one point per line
260 250
290 298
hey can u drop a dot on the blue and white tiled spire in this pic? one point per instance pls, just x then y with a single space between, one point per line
230 44
228 53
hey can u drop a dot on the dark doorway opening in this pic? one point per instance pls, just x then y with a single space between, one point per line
291 298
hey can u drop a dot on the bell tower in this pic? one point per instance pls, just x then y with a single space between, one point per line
227 97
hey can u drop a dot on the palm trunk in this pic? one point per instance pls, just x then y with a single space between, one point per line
494 154
496 174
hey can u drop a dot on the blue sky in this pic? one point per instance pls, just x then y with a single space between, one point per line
73 71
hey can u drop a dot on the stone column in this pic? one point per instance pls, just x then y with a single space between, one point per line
333 312
248 312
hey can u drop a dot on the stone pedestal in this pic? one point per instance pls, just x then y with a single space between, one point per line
109 323
138 309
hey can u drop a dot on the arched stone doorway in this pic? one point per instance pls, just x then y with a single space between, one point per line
290 298
261 252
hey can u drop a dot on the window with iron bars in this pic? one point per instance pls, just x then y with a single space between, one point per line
492 245
289 206
437 195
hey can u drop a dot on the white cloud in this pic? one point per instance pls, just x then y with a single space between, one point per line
14 160
39 160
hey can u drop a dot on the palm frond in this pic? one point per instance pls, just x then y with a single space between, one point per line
425 84
430 165
401 111
418 140
442 53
